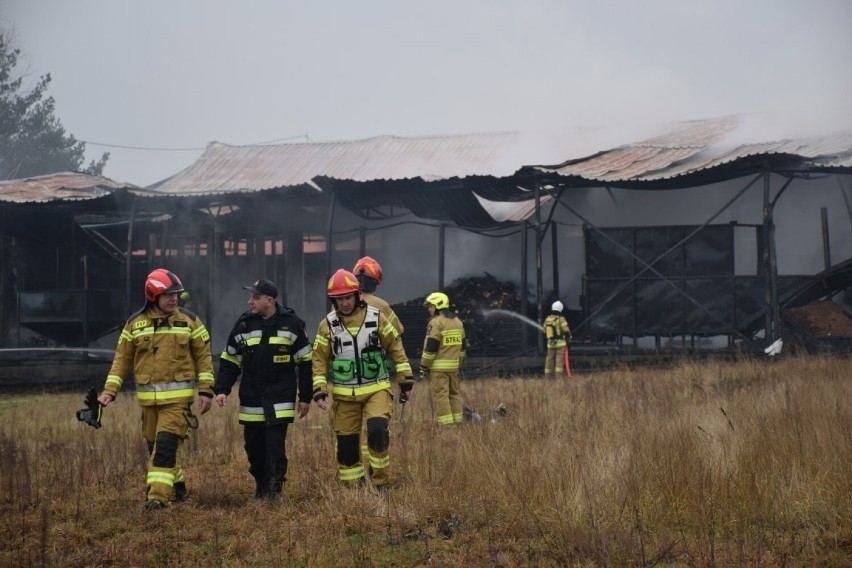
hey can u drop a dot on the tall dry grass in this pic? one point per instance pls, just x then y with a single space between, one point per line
702 464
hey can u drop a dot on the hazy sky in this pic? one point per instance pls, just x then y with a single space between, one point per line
182 73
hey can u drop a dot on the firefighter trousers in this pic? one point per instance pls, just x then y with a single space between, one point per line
347 418
164 428
554 362
446 394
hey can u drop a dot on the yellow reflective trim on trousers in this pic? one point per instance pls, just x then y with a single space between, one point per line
445 419
458 418
160 477
179 476
350 473
379 463
164 395
356 390
445 365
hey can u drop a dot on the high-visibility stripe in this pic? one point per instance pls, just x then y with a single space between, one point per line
230 358
402 367
115 379
252 341
303 354
320 340
162 331
162 387
205 376
350 473
445 419
320 380
358 390
445 365
458 417
280 341
160 477
379 463
201 332
165 395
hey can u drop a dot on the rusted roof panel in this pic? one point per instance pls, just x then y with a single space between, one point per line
698 146
64 186
225 168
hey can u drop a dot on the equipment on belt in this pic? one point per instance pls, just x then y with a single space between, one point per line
91 415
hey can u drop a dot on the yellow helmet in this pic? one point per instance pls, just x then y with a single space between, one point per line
438 299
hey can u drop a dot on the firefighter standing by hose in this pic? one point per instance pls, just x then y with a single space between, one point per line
557 333
350 361
270 348
168 350
443 350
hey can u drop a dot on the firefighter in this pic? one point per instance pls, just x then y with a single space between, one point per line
269 347
168 350
368 271
443 351
351 351
557 333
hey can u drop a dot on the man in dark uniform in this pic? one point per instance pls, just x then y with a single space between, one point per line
269 347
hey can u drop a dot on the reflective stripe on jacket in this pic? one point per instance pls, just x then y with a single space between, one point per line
169 356
272 359
444 345
333 359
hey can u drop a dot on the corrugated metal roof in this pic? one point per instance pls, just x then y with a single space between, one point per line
697 146
63 186
225 168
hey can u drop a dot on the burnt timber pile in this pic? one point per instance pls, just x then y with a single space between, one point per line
819 327
472 298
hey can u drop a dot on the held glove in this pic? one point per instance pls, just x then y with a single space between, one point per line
91 415
404 389
320 396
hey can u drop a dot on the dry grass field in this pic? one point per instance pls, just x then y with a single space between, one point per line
701 464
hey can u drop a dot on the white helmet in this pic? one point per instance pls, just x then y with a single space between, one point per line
557 306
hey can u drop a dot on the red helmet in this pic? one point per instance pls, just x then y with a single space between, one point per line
161 281
343 283
369 266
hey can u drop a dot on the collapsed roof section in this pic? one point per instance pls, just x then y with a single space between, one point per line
475 181
701 152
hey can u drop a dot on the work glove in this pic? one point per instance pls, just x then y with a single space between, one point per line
424 373
404 389
91 415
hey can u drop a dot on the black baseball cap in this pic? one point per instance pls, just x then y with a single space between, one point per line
263 288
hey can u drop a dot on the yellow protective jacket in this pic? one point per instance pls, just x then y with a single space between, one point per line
556 331
444 346
323 356
384 307
169 356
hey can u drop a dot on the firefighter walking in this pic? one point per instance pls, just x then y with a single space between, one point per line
269 347
350 352
368 271
168 350
443 351
557 334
